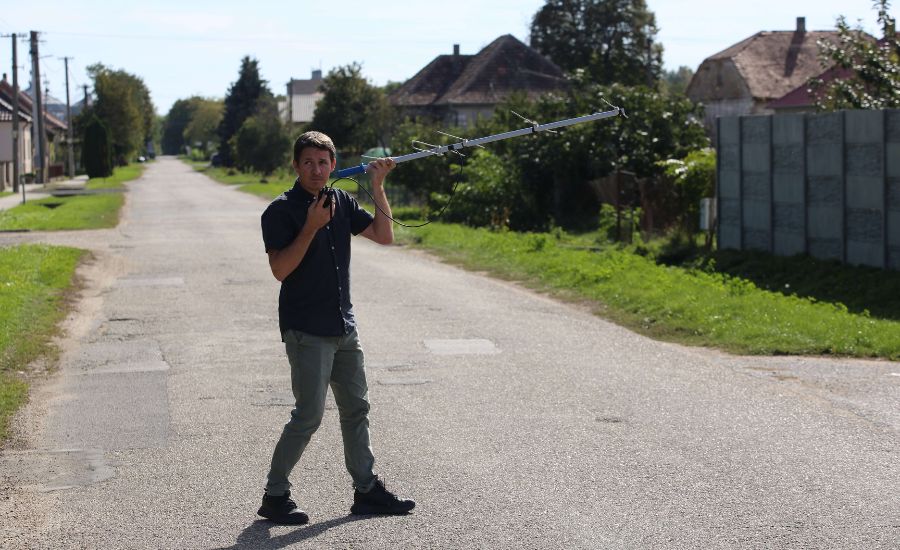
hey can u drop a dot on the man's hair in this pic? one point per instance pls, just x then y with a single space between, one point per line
313 139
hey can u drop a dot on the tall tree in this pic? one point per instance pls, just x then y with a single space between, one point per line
353 112
204 123
873 67
177 119
124 106
96 149
240 103
261 144
612 41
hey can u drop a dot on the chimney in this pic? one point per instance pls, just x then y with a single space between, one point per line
317 74
456 49
801 24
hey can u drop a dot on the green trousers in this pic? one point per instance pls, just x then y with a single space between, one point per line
317 362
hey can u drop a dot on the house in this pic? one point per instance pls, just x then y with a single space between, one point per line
746 77
55 130
6 134
802 99
458 89
301 99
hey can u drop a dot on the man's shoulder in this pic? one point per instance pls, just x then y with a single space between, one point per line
281 203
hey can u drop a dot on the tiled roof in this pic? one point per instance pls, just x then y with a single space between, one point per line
801 96
25 105
772 63
504 66
305 87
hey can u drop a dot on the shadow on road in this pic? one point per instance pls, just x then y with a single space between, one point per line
258 533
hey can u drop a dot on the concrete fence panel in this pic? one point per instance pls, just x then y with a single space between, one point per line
825 184
892 186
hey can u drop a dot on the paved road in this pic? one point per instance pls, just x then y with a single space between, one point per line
513 420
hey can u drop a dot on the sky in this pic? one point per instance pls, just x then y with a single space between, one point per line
185 48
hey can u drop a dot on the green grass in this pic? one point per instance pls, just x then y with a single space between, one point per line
34 281
120 175
5 194
275 184
74 212
698 304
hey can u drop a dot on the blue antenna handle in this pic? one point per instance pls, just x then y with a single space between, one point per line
350 171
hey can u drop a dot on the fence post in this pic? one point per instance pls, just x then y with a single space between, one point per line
771 184
885 205
805 177
718 195
740 160
843 187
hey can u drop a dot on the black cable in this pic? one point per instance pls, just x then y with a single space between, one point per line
439 214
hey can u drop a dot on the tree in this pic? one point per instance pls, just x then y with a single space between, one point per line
425 176
177 119
240 104
261 144
556 172
676 82
96 149
613 41
353 112
873 67
204 123
124 105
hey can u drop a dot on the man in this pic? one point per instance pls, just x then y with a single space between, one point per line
307 234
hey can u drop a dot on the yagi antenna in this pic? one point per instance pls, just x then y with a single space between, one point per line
478 142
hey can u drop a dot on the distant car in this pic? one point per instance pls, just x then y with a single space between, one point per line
142 159
215 160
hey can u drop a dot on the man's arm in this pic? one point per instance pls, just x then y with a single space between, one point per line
283 262
381 230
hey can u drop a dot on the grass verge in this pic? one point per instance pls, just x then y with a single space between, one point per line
74 212
698 304
34 283
250 183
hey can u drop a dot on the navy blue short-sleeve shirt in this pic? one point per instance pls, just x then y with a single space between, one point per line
315 297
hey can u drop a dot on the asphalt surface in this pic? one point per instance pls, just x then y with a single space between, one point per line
513 420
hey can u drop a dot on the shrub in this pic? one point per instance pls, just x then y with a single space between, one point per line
487 195
96 151
261 144
694 178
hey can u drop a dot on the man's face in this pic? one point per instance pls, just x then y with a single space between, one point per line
313 168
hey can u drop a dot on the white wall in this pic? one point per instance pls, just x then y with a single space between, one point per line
303 106
25 162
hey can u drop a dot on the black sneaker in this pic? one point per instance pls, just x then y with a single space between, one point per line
282 510
380 501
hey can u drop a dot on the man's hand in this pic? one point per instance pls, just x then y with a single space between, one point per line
318 215
380 230
378 170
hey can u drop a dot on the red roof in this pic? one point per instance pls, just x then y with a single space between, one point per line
25 106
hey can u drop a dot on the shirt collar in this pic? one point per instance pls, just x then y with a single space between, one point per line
299 193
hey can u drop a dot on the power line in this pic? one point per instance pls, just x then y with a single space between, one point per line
232 39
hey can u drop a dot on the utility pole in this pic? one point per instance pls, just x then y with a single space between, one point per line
70 145
38 110
15 118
